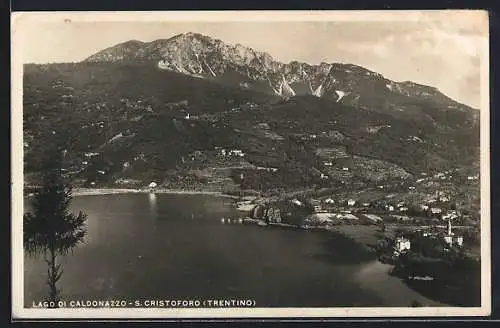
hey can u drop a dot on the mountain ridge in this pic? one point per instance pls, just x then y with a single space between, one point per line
164 111
210 58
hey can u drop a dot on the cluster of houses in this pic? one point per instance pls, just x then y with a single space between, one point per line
229 153
392 207
452 239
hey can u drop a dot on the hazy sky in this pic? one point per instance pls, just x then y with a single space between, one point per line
444 51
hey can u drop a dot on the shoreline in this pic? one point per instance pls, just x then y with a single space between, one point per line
357 233
111 191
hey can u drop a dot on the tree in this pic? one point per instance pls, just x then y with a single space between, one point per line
295 214
51 230
416 304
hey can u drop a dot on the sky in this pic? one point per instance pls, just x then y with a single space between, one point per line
440 49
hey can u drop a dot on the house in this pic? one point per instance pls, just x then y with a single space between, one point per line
411 188
152 186
328 163
401 245
88 155
424 207
329 201
450 215
345 169
444 199
318 209
236 152
436 210
390 208
351 202
324 176
403 209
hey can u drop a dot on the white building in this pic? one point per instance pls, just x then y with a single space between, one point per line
444 199
402 244
236 152
351 202
436 210
152 186
329 201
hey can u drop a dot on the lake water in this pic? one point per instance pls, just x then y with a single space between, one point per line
167 246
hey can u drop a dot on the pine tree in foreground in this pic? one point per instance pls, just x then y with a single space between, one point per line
51 230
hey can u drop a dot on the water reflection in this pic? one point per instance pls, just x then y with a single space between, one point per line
152 204
130 257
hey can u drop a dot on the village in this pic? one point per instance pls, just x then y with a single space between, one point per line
326 213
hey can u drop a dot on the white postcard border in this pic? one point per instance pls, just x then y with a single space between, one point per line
21 20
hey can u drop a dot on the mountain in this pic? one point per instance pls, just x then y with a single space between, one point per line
165 110
200 56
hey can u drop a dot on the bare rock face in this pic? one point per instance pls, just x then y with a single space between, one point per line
204 57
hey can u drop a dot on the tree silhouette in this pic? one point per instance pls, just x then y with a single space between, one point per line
51 230
416 304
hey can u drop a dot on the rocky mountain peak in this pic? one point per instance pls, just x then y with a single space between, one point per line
201 56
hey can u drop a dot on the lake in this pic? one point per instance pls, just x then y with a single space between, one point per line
167 246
